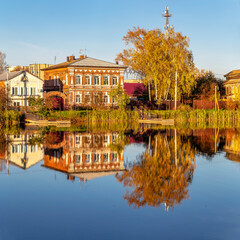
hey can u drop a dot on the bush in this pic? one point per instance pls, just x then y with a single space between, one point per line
184 107
231 105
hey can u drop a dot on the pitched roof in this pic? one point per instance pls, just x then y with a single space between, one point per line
86 62
3 76
11 75
233 73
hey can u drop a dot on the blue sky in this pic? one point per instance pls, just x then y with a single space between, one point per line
36 31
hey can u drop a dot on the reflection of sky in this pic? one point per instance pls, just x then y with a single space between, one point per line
133 151
40 203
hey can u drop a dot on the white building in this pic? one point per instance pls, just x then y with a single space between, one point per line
21 85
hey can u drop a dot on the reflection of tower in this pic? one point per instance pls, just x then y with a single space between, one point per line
167 15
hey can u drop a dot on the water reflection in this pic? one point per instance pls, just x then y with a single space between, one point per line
84 155
16 150
162 174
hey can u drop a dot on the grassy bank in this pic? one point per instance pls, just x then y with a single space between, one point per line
191 118
95 116
200 118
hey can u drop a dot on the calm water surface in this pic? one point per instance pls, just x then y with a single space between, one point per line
149 184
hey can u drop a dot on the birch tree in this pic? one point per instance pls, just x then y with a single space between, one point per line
157 56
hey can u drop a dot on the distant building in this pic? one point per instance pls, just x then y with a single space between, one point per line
17 68
35 69
21 85
232 82
84 81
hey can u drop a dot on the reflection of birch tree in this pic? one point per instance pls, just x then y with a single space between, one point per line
162 175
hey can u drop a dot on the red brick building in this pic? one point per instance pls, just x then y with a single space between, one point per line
84 81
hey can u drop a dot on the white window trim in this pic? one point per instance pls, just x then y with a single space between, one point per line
90 78
117 80
78 75
97 75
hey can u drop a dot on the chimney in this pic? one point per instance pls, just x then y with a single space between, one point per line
82 56
68 60
72 58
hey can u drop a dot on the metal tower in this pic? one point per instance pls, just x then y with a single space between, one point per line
167 15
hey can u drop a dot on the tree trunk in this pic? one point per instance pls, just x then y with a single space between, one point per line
149 92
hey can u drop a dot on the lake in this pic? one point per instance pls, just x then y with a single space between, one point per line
135 184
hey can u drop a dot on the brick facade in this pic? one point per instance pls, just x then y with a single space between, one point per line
85 81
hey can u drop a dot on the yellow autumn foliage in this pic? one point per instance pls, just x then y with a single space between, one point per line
162 175
157 56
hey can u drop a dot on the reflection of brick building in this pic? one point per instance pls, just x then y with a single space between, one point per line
232 146
84 81
84 153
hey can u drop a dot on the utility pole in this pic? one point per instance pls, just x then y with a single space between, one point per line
176 90
167 15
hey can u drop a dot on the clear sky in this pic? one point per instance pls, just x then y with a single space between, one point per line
36 31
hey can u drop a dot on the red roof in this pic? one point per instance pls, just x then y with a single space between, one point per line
134 89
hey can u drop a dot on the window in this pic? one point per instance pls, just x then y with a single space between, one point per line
105 139
14 148
78 98
114 80
14 91
87 140
105 80
32 91
21 91
96 99
97 140
96 80
87 80
96 157
114 138
105 98
78 80
33 148
87 158
87 98
77 159
16 104
105 157
114 157
78 140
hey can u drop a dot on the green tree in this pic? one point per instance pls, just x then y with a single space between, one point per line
157 57
119 96
205 86
35 101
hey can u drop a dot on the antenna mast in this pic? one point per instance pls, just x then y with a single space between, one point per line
167 15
